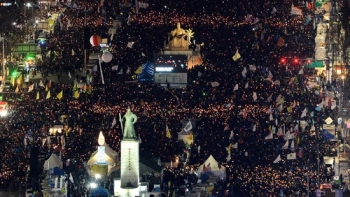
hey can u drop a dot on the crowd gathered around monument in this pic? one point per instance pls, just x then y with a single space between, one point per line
240 43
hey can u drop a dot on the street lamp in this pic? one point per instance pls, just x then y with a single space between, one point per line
3 58
36 28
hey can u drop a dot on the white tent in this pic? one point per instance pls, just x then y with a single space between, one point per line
52 162
212 166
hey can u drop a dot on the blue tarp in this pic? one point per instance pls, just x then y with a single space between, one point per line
99 191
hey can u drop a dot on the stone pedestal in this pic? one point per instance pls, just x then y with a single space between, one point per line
129 166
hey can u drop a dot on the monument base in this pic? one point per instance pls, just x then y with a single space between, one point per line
178 51
129 166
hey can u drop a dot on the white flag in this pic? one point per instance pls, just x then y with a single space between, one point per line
73 53
285 146
244 72
303 114
228 158
199 74
278 159
255 97
130 44
214 84
188 126
269 136
231 135
199 149
246 85
254 127
235 146
291 156
43 142
252 67
41 84
143 55
271 117
71 178
235 88
114 122
274 10
31 88
128 71
301 72
69 75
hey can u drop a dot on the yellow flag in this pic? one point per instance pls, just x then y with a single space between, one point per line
229 148
89 89
210 188
139 70
76 94
289 109
190 137
75 87
236 56
47 88
298 140
17 89
168 134
60 95
37 96
48 95
20 78
63 190
270 128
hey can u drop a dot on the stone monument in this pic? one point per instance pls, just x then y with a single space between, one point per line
129 160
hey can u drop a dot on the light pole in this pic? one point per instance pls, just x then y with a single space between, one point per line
3 59
36 28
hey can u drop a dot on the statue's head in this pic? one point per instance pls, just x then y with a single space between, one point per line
178 25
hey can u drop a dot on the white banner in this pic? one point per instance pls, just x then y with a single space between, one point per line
172 78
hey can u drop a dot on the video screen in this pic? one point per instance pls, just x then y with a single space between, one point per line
171 63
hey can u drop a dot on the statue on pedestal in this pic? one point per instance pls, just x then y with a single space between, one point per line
130 120
177 39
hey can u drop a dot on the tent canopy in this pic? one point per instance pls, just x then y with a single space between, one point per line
212 166
95 157
52 162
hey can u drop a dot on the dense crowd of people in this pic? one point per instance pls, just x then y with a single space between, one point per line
256 96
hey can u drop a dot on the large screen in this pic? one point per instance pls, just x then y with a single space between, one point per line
170 69
170 64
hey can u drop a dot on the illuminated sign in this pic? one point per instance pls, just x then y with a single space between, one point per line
164 69
5 4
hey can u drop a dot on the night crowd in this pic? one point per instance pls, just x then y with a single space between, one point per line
256 95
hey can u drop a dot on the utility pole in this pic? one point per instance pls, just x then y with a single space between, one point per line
85 40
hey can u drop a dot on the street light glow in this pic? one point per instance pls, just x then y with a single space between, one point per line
93 185
98 176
